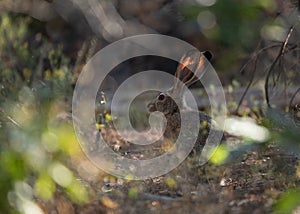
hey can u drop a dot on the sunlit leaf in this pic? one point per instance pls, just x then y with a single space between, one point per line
77 192
61 174
171 182
44 186
220 155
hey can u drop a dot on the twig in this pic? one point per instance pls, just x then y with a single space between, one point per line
280 54
248 86
11 119
253 57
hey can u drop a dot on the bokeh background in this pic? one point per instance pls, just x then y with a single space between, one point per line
43 48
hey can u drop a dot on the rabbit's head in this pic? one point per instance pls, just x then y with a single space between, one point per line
164 102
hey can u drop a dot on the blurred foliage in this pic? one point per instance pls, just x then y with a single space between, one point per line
219 156
35 88
230 24
288 201
34 143
235 20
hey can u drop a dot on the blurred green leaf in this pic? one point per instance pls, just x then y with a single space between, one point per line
288 201
44 186
220 155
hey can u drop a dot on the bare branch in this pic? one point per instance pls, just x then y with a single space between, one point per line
280 54
248 86
11 119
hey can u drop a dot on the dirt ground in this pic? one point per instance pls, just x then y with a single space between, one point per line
248 183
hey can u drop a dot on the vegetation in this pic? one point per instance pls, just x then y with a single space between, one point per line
256 48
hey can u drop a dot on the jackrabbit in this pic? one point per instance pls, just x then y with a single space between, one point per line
166 105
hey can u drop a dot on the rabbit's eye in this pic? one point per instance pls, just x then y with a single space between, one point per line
161 97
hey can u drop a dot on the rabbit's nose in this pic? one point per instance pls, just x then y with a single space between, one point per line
151 107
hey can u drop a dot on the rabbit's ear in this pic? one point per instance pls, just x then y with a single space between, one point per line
196 61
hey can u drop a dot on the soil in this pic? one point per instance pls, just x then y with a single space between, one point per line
250 182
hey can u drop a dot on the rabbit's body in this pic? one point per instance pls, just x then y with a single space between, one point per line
172 105
174 123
